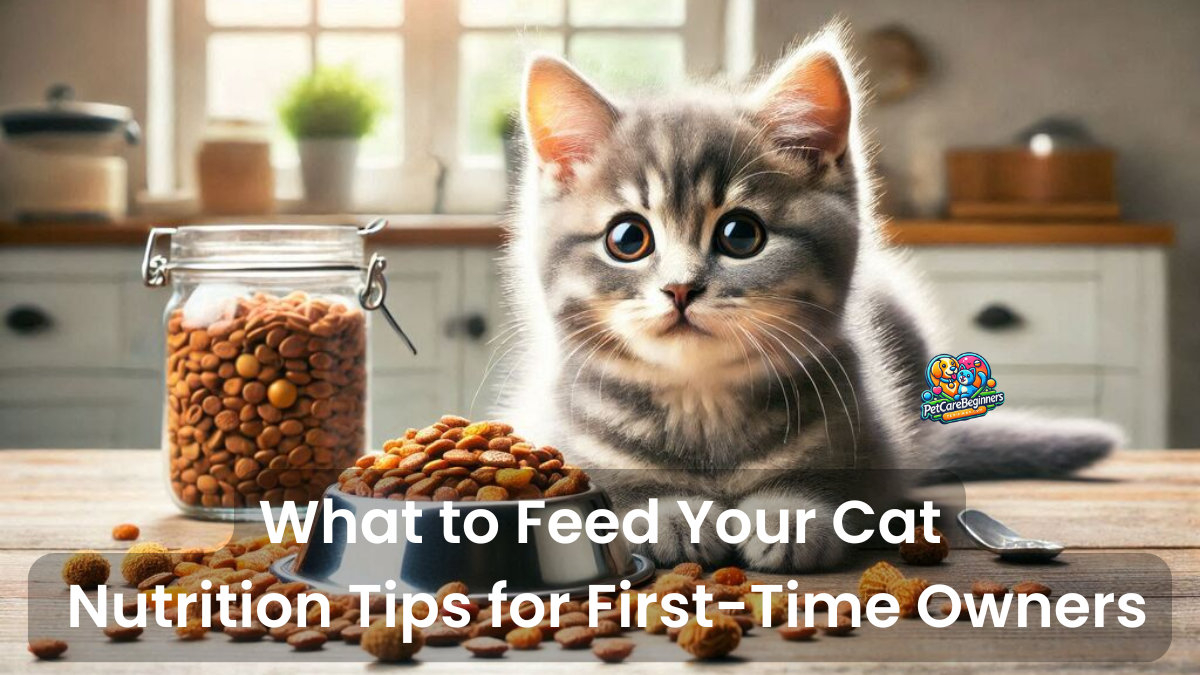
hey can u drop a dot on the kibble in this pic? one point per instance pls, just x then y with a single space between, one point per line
984 587
730 576
126 532
252 633
463 461
386 643
307 640
486 647
797 633
145 560
524 638
119 633
1031 588
714 641
613 650
924 552
86 569
47 649
267 404
843 625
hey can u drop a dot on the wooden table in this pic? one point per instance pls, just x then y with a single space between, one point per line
55 501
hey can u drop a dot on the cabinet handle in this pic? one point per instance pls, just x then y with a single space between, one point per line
474 326
997 317
27 320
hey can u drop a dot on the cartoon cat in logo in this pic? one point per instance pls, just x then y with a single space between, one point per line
969 382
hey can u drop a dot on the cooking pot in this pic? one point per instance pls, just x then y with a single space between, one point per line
61 160
66 125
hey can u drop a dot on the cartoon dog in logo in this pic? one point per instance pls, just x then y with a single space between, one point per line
943 375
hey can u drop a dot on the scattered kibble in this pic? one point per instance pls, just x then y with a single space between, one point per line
47 649
386 643
86 569
924 552
126 532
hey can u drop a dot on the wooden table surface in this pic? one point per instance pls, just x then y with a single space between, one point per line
58 501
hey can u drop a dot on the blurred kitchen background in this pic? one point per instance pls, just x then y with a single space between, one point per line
1039 159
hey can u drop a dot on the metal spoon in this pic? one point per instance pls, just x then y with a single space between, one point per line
995 536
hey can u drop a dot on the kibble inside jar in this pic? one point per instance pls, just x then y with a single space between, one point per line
266 365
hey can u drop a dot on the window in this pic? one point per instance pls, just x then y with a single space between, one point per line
449 69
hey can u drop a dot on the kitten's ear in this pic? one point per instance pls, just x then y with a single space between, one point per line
807 101
565 116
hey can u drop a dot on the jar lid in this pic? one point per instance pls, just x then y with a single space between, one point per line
252 247
267 247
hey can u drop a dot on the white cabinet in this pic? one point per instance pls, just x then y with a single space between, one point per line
81 351
1085 336
1077 330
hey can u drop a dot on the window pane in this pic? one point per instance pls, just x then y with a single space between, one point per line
629 61
490 84
259 12
628 12
510 12
360 12
248 74
378 58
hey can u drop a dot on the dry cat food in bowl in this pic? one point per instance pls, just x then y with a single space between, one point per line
477 466
455 459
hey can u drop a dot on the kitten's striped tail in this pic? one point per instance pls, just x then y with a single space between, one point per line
1015 444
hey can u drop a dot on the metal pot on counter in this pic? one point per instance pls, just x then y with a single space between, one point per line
62 160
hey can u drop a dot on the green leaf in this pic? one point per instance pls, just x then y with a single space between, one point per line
331 103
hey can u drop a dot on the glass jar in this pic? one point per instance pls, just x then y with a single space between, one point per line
266 372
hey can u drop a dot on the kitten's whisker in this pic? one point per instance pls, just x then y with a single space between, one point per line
845 373
836 389
815 388
513 326
787 408
566 361
487 373
806 303
790 376
745 354
583 366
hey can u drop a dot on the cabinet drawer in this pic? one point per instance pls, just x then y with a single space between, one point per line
1054 321
82 324
1052 394
68 411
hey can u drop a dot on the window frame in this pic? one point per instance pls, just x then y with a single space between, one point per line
432 175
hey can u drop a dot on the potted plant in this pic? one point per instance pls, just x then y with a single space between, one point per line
328 113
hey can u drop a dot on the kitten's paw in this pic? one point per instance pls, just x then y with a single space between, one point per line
821 549
674 537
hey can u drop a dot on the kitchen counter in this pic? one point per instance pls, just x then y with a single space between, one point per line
483 230
1135 501
402 230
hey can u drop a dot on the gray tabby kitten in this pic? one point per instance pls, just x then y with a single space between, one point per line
700 284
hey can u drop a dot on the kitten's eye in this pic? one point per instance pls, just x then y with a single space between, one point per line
740 234
629 239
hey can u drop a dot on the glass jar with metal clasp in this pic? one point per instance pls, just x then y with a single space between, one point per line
267 366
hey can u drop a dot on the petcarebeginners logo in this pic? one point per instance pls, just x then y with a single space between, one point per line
960 387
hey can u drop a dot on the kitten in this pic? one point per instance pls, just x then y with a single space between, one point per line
699 283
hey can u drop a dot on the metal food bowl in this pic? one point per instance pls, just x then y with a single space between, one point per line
541 566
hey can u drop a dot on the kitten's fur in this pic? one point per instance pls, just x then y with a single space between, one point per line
807 356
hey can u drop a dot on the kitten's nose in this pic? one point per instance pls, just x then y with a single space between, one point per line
682 294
